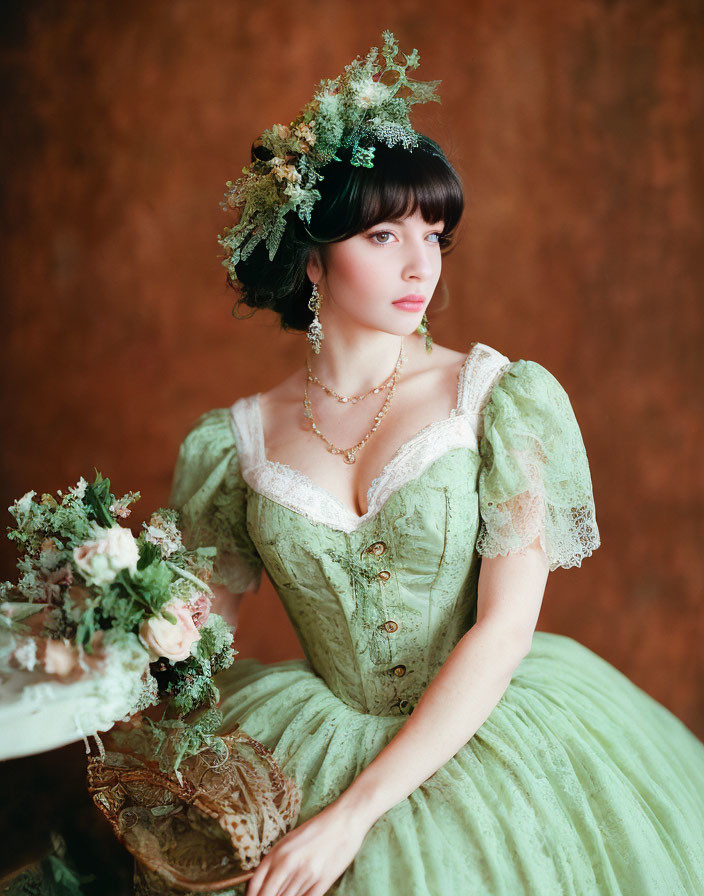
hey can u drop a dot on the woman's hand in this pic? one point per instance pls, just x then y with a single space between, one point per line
310 858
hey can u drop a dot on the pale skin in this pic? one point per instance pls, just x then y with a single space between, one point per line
361 278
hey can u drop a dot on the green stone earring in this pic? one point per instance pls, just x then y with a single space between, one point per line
424 331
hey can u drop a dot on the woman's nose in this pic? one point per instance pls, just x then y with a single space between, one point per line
417 262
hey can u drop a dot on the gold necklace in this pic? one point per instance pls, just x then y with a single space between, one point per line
352 399
349 455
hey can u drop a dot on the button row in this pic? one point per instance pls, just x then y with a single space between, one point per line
377 549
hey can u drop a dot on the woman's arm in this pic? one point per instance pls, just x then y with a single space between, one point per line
468 686
456 703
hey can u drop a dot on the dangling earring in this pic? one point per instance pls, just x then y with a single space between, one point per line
424 331
315 330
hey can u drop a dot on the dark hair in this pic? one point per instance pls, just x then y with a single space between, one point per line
353 199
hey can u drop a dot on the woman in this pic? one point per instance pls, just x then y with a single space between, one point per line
408 502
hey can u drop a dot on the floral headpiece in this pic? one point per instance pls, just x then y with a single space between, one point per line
354 110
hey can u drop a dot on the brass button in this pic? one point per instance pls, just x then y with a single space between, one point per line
384 575
378 548
390 626
399 671
404 707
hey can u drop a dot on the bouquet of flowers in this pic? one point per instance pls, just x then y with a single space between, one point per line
124 621
101 625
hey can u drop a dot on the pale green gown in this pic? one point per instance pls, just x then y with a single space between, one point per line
578 782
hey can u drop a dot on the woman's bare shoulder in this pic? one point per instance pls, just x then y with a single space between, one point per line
439 357
448 356
284 392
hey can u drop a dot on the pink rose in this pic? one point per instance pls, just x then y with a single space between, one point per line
59 658
199 608
68 662
168 639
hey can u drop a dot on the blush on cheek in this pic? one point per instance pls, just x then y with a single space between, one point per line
356 275
350 264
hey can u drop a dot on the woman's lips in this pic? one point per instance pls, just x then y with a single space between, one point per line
409 305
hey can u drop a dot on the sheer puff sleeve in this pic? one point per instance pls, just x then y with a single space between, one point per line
534 479
210 494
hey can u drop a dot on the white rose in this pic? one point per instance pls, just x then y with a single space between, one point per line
101 559
172 640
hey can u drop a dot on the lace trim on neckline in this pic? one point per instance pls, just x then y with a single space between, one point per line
295 490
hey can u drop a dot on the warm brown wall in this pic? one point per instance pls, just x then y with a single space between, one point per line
577 128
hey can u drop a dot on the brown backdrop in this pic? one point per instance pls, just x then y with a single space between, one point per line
577 129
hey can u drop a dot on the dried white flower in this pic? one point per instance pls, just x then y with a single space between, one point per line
25 654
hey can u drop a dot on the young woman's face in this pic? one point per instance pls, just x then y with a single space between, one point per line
367 273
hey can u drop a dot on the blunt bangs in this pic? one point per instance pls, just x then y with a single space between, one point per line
353 199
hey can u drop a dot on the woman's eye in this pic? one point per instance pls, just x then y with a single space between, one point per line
387 233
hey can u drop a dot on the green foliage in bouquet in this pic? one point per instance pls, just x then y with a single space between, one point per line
173 740
87 586
129 579
190 682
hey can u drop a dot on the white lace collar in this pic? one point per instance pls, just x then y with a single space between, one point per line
297 491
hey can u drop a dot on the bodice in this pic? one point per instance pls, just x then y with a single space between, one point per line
378 609
378 601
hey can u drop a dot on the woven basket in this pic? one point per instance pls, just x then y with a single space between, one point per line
204 833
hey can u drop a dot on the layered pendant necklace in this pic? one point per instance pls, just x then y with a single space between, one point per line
349 455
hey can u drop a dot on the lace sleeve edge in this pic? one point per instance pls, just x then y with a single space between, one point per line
574 558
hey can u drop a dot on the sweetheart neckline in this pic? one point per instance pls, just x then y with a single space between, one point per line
385 470
373 512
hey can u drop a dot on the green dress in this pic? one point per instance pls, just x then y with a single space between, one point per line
578 782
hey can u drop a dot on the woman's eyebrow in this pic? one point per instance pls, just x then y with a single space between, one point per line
401 221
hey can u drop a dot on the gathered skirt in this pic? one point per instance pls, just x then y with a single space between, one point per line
578 783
